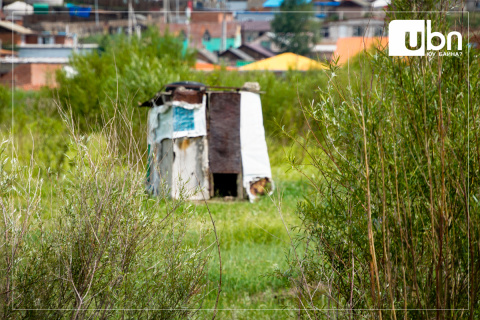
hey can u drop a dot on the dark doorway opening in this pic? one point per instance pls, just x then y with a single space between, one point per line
225 184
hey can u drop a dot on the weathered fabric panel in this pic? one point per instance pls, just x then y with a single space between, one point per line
177 121
224 133
257 174
190 168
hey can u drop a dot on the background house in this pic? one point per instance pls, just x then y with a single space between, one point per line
251 30
255 51
205 35
353 9
266 41
325 9
54 50
364 27
12 33
31 76
236 57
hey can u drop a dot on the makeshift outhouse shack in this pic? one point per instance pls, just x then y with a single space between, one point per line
208 141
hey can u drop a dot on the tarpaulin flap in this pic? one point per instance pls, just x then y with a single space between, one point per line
177 120
255 161
224 133
183 119
79 11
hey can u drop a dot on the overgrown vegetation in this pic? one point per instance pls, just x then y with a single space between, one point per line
294 27
392 228
383 227
41 135
90 243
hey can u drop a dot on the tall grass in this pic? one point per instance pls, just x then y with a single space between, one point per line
93 244
392 230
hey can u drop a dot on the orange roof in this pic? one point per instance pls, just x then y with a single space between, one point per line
203 66
347 48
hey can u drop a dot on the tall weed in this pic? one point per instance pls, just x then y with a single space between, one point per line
392 230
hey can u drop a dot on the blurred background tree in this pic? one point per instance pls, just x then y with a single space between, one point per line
294 27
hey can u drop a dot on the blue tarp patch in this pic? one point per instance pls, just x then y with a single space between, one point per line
276 3
79 11
183 119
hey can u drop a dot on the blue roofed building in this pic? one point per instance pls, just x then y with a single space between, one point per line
322 8
325 9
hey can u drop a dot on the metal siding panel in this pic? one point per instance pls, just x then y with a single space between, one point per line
224 133
190 167
190 96
161 161
165 161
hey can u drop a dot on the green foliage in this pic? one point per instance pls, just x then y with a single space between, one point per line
284 94
137 69
131 70
32 118
98 244
392 230
294 28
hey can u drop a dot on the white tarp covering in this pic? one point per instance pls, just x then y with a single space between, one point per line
176 120
255 161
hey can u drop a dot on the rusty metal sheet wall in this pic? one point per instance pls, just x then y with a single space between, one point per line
224 133
190 96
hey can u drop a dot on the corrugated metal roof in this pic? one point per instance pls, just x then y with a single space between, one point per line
211 57
255 25
275 3
258 49
242 55
15 27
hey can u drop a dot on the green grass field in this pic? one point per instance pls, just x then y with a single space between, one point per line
253 240
254 243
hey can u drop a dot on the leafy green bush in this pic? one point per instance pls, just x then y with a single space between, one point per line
32 118
130 69
392 229
136 69
97 246
133 71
